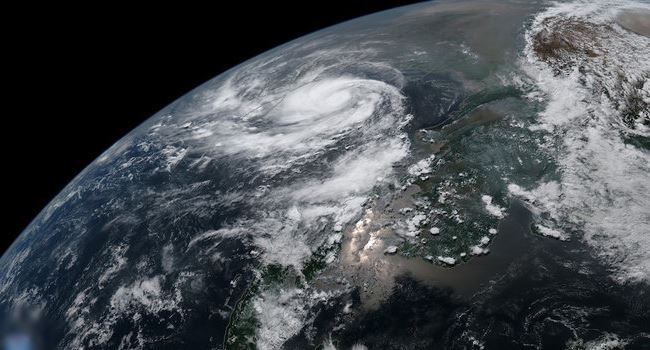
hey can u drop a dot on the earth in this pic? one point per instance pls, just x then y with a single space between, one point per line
455 174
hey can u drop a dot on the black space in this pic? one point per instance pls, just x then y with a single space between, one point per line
79 78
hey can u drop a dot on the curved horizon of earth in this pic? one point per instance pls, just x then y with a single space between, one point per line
461 175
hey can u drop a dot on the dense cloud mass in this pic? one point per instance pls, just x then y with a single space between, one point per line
597 87
445 175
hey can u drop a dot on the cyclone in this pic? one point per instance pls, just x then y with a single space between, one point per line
450 175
